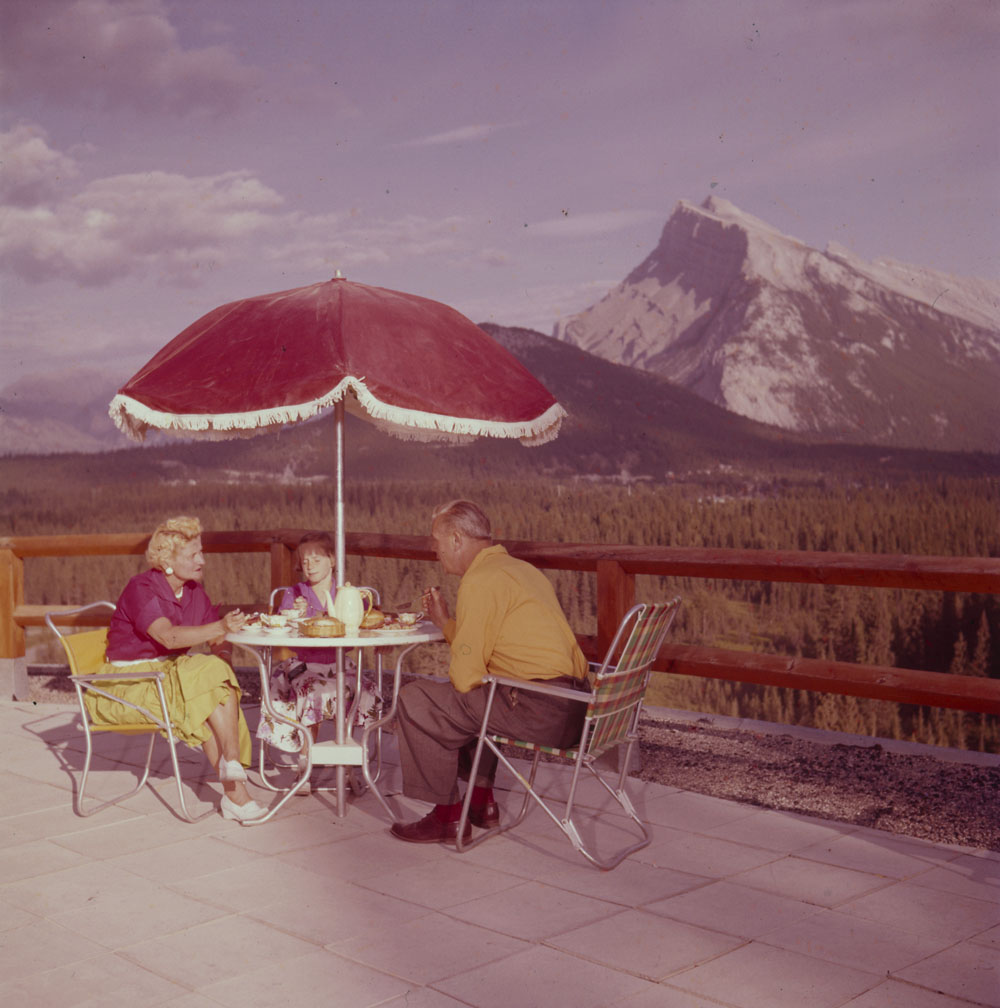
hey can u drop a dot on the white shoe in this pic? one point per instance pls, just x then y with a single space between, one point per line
231 770
241 813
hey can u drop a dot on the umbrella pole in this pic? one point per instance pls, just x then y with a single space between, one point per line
338 413
339 726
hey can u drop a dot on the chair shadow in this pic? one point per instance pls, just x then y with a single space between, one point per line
113 753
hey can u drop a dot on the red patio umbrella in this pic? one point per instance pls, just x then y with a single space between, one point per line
413 367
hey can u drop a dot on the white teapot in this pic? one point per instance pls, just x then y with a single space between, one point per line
350 606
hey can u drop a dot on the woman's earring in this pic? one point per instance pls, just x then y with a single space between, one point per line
168 571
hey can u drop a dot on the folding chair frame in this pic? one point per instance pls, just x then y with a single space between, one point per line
92 682
614 705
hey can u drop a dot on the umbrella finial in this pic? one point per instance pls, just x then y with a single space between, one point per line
338 276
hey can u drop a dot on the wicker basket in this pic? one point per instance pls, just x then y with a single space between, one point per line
322 626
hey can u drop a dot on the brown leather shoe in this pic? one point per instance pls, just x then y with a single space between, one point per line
430 829
485 816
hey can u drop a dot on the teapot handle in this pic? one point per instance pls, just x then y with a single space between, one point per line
367 598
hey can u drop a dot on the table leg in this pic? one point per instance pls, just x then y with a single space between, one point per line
341 736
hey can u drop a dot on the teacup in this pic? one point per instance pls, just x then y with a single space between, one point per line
408 618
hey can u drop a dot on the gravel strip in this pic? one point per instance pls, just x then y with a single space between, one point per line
921 796
914 795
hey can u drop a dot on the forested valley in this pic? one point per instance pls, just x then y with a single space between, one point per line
937 631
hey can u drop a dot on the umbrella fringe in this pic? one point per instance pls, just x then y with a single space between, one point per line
135 418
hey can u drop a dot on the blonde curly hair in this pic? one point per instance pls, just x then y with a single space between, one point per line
172 533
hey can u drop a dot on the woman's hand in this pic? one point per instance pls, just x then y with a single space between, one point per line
234 621
435 607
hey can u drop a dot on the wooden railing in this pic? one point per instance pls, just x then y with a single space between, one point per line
616 568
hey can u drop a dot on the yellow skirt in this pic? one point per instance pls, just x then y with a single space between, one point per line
194 686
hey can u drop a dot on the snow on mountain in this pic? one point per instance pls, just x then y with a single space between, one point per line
817 341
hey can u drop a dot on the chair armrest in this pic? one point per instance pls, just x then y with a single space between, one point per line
97 677
539 686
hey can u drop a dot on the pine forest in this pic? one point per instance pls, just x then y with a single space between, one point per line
937 631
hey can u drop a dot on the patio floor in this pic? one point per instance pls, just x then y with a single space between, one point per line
730 905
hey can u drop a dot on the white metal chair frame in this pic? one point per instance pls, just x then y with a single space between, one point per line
614 704
93 682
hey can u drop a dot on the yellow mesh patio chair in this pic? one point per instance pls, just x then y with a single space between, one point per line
614 703
85 654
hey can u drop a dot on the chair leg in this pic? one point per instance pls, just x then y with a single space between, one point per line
566 824
80 796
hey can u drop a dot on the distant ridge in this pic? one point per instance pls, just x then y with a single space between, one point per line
623 425
821 342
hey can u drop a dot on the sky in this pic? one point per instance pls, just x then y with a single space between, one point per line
513 158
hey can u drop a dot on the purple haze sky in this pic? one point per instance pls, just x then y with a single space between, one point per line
514 159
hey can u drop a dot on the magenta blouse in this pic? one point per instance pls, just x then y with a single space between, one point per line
146 598
314 607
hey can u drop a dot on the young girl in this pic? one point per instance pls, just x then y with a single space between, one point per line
305 687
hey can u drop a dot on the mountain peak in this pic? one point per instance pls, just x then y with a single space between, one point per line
814 341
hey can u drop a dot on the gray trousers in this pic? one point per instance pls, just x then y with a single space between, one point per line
434 722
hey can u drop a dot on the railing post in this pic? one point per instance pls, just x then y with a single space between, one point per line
281 565
13 665
615 596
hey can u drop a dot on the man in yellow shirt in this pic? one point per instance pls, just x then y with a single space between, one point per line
508 622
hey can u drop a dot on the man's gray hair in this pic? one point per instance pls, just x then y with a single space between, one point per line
466 518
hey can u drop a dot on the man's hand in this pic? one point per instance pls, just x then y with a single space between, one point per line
435 607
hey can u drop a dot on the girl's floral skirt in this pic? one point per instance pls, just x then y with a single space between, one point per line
307 693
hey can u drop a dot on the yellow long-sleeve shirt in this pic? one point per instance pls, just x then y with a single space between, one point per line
508 622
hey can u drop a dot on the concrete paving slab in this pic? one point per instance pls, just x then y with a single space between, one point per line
966 875
965 970
733 909
220 949
301 980
336 912
108 980
727 904
431 948
760 976
810 882
631 884
532 911
878 853
645 944
854 941
893 994
707 856
918 909
783 832
541 978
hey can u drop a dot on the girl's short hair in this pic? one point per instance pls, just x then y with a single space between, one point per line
323 541
172 533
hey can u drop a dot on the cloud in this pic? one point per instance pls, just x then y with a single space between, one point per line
462 134
32 171
117 54
178 228
129 225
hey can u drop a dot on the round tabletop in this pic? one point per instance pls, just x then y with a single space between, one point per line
424 632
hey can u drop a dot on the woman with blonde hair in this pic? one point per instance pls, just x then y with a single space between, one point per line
160 615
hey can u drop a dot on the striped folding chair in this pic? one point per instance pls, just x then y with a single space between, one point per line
84 654
618 688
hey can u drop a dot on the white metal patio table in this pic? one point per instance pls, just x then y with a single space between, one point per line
343 751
